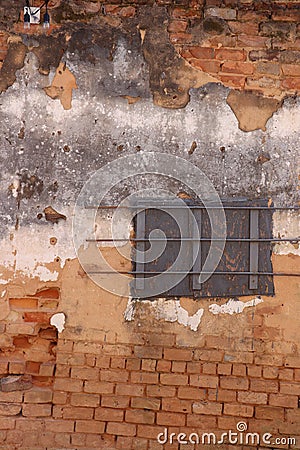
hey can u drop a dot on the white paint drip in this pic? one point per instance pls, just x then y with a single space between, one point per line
168 310
58 320
233 306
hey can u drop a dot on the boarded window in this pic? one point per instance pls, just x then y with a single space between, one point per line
245 267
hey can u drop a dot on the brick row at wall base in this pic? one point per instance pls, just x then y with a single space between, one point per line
123 395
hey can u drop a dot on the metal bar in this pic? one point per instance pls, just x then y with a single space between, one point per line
253 251
279 274
271 208
140 233
195 239
196 227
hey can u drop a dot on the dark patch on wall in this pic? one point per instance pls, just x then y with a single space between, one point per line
14 61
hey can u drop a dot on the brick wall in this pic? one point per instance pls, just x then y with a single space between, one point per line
119 388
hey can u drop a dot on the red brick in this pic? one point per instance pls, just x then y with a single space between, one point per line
270 372
117 362
233 80
146 403
264 385
238 410
234 383
77 412
17 367
68 385
121 429
201 52
171 419
227 54
289 388
134 364
140 416
108 414
253 41
238 67
208 355
256 398
39 317
149 365
148 431
286 401
194 367
115 401
60 398
269 360
180 38
85 400
201 422
161 391
97 387
60 425
209 381
47 369
192 393
239 370
148 352
38 396
177 26
178 366
11 397
102 361
85 373
7 423
269 412
173 379
228 423
222 395
89 426
144 377
114 375
186 13
286 374
48 293
243 27
23 303
293 361
36 410
224 368
206 65
175 354
176 405
208 408
73 359
10 409
129 389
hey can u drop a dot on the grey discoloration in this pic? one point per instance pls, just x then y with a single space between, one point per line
62 148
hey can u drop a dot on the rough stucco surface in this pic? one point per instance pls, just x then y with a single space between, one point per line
124 104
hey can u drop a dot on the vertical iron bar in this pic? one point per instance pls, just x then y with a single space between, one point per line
140 234
197 248
254 234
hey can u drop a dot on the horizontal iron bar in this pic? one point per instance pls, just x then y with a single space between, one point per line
278 274
271 208
196 239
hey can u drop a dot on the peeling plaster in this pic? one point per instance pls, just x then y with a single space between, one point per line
62 86
251 110
168 310
58 320
233 306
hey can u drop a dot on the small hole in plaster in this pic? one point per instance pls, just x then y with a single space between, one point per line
53 240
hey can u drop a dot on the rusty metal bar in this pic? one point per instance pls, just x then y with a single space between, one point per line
278 274
154 206
253 250
195 239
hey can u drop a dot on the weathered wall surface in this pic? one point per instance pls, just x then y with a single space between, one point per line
110 80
